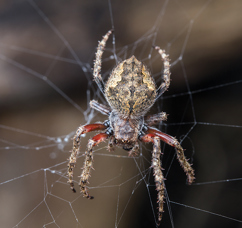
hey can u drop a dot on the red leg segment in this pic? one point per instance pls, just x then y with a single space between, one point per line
149 137
155 136
92 127
164 137
76 145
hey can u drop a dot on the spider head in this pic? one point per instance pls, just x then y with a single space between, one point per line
125 130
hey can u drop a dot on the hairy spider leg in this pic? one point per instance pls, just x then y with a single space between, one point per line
166 72
76 146
155 119
157 171
100 107
88 162
159 178
151 132
98 61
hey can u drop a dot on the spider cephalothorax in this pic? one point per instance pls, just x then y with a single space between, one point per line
130 92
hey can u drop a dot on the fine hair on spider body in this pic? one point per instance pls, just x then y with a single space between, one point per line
130 92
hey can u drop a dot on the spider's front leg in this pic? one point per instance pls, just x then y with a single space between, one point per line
157 171
151 132
76 146
88 162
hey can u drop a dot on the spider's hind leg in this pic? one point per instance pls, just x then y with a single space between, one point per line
100 107
166 72
98 61
155 119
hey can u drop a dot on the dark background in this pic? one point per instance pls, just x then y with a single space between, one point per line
203 103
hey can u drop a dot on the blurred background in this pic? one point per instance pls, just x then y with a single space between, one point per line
46 59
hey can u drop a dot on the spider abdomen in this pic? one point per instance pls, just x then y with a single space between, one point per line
130 89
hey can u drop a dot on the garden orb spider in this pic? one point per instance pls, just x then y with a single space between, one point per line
130 92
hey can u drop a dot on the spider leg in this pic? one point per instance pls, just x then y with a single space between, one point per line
98 61
157 171
159 178
88 162
166 72
151 132
155 119
100 107
76 145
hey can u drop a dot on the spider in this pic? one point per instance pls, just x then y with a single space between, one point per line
130 92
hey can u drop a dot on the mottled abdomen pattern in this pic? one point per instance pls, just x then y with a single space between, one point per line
130 89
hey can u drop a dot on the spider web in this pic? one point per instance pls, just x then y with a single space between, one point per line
46 84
